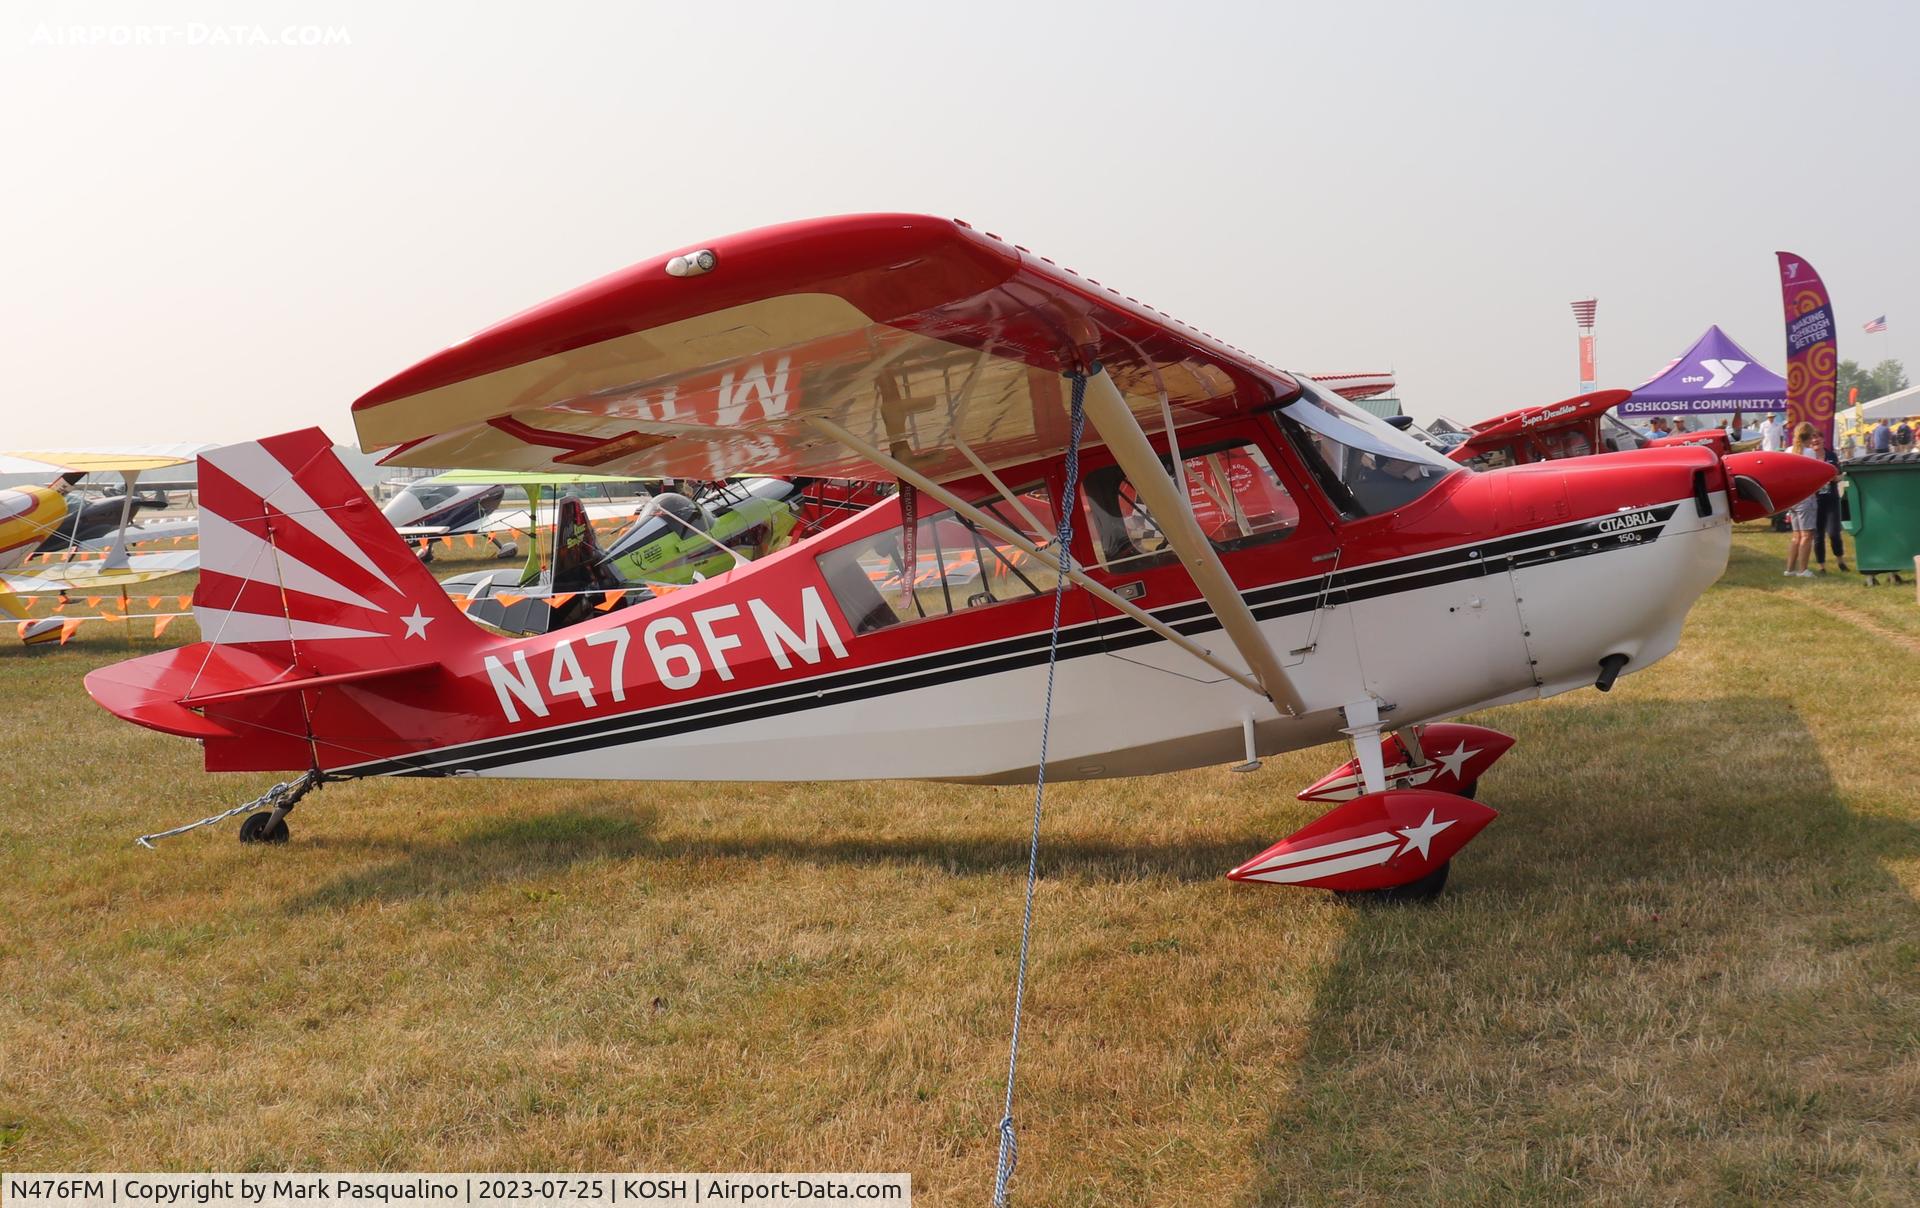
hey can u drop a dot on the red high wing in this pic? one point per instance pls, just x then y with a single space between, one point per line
904 329
1373 842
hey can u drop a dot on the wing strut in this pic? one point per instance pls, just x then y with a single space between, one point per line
1001 530
1114 420
117 555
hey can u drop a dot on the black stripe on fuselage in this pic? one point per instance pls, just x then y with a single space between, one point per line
1108 634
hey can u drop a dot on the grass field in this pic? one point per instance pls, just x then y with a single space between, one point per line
1682 966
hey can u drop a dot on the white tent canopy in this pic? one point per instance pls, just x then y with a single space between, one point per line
1898 405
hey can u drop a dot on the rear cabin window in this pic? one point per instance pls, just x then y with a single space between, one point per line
942 563
1568 442
1235 495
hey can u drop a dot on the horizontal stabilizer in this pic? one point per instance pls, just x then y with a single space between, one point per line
303 683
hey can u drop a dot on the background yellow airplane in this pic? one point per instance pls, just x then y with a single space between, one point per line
31 514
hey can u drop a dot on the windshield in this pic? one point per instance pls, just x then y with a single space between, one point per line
1363 463
431 495
1616 436
670 514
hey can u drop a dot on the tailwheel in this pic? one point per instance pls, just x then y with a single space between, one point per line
1426 889
263 828
1470 789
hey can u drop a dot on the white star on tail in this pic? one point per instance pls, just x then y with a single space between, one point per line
416 624
1419 837
1453 763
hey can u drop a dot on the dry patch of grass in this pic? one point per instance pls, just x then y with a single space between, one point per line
1682 966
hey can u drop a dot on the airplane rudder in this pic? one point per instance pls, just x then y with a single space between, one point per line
289 531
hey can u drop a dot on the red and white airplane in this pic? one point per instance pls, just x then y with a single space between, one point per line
1577 427
1254 565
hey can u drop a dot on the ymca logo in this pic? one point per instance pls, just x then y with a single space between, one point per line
1722 371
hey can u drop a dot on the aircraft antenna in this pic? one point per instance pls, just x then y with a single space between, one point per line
1009 1148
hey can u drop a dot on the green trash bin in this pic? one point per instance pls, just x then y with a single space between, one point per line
1881 510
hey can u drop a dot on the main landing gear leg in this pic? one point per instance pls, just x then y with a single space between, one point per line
1363 726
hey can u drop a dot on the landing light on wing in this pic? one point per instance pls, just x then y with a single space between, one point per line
692 264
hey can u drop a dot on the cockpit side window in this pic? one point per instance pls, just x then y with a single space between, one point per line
1235 495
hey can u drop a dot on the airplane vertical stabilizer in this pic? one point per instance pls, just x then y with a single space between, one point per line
299 566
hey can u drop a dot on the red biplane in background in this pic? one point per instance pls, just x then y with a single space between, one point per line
1251 564
1574 427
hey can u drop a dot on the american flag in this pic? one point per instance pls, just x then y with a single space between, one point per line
1874 325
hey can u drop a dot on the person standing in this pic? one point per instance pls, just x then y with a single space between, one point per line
1826 519
1802 516
1903 438
1880 440
1773 434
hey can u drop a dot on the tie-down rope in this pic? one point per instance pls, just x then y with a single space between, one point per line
286 793
1009 1148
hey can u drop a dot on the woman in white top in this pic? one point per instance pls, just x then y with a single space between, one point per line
1804 516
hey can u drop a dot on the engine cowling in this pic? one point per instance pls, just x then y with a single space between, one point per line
1761 484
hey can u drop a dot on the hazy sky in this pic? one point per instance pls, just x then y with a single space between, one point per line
207 240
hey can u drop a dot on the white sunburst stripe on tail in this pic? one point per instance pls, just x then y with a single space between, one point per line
229 549
257 470
223 627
